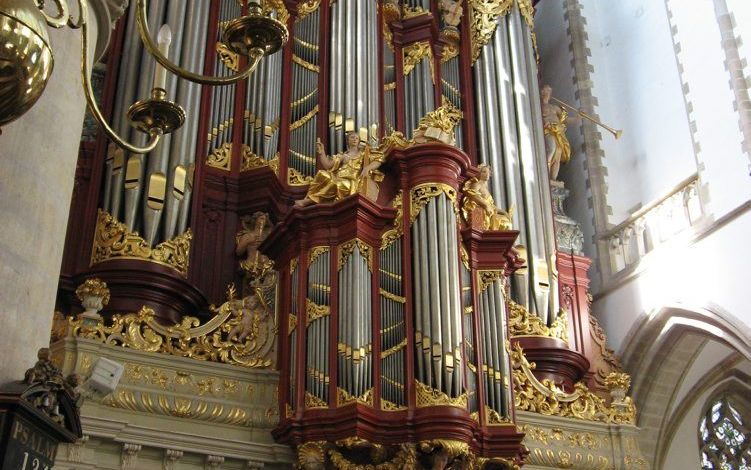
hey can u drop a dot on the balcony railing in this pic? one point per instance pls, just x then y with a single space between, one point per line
653 225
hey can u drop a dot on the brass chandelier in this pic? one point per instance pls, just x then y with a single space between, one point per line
26 62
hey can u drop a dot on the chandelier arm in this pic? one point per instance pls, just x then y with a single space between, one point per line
154 134
256 54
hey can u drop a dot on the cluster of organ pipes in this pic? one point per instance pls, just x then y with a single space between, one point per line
355 332
469 334
510 140
354 98
437 303
451 86
393 325
151 193
304 106
262 108
222 116
419 82
317 305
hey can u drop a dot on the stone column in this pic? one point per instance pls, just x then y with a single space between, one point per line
38 154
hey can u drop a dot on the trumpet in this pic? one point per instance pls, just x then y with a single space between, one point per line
617 133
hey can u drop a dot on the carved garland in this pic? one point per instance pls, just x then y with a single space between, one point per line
428 396
112 239
484 16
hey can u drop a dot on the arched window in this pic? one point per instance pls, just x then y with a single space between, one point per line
725 438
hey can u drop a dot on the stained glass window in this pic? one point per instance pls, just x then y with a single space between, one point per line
725 439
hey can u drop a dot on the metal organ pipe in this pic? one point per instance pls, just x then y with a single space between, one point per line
506 84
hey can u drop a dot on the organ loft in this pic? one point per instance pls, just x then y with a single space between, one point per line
324 237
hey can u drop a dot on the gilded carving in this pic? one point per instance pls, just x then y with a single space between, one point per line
314 311
548 399
112 239
439 124
316 252
306 8
344 398
393 234
605 361
295 178
487 277
250 160
230 59
428 396
414 54
93 290
312 401
484 16
523 323
220 157
217 340
346 250
422 194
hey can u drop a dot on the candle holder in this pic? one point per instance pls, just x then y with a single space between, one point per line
156 114
253 35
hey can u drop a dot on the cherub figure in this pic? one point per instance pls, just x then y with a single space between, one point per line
451 12
250 312
477 198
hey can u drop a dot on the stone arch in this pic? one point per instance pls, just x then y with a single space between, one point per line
659 352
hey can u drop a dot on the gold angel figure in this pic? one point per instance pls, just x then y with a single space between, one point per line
343 174
478 206
557 146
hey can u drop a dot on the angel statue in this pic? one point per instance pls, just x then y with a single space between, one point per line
478 206
343 174
555 119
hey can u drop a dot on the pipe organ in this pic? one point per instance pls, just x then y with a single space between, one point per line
391 304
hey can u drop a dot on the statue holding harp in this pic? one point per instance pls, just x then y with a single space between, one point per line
353 171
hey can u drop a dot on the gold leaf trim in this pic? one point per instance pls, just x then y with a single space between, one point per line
295 178
390 296
394 349
229 58
484 16
414 54
301 122
346 250
428 396
217 340
548 399
344 398
391 406
251 161
524 323
315 252
315 311
422 194
220 157
113 240
305 64
393 234
312 401
306 8
487 278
